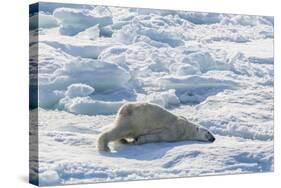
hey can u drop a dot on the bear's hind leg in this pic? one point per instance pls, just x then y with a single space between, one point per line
102 142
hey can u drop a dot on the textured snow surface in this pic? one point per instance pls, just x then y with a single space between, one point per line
214 69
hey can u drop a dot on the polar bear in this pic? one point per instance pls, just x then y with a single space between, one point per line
146 122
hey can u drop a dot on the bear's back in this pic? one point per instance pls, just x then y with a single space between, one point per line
147 115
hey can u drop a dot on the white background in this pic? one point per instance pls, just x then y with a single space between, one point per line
14 91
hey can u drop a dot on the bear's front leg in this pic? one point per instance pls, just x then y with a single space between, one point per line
143 139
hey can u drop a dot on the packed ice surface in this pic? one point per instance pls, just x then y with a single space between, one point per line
214 69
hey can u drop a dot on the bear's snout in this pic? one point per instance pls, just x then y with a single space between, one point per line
210 137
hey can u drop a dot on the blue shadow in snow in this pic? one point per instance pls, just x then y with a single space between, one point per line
148 152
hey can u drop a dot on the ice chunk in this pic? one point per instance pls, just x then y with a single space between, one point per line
190 98
49 61
79 50
116 94
98 74
187 82
201 18
92 33
269 18
74 21
50 7
241 64
48 177
259 60
232 37
193 89
246 20
48 97
126 34
42 20
148 40
131 33
79 90
165 99
162 36
205 62
181 69
116 54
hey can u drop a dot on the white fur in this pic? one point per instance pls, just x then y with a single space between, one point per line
146 122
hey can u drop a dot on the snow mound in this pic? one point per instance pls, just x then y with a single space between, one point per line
94 73
50 60
98 74
88 106
79 90
73 21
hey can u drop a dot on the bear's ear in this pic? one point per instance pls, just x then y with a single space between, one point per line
126 111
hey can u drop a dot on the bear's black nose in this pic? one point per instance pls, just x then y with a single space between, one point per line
210 137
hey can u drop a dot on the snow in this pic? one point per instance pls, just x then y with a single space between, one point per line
80 162
214 69
79 90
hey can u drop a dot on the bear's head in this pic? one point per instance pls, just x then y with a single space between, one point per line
195 132
203 134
